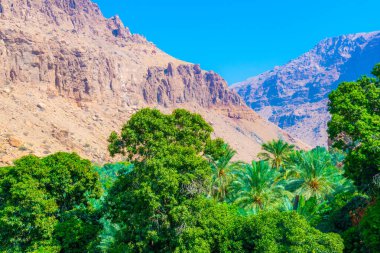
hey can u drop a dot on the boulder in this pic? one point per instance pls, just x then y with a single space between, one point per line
14 142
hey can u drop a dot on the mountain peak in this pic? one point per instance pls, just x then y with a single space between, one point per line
352 36
76 16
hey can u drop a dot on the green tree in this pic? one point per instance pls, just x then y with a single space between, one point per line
205 225
142 201
313 210
222 173
161 204
169 169
216 149
355 127
72 180
275 232
110 171
108 175
78 230
27 213
255 187
276 152
35 197
314 175
150 133
370 227
213 227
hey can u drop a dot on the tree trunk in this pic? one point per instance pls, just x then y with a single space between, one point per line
296 202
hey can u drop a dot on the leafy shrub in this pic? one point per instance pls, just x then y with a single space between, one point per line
285 232
370 227
35 196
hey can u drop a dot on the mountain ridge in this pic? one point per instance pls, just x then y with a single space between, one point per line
294 96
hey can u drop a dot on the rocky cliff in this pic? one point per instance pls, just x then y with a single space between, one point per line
69 76
187 83
294 96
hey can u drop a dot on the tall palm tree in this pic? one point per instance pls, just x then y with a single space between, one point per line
255 187
314 174
222 173
276 152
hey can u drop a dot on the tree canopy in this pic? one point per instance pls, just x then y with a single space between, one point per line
179 190
38 197
355 126
162 205
150 133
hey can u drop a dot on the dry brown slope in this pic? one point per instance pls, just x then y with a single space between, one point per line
69 76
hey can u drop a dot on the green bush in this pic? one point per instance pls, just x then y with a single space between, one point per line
370 227
285 232
35 196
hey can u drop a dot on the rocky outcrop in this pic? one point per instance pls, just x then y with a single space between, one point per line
67 13
74 16
294 96
117 28
187 84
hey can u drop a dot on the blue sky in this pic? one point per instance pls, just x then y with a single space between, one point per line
242 38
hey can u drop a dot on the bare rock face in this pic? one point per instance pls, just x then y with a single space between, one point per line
187 84
61 12
69 76
117 28
14 142
295 95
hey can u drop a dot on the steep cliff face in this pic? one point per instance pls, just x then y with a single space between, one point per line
69 76
294 96
68 48
187 84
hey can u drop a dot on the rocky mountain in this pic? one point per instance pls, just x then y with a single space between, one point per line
69 76
295 96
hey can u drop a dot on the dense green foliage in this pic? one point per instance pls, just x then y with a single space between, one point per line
355 127
254 187
276 152
43 202
162 205
221 172
169 170
285 232
149 133
314 174
370 227
182 191
213 227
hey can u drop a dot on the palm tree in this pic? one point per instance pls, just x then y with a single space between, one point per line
312 209
276 152
221 173
255 187
314 174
